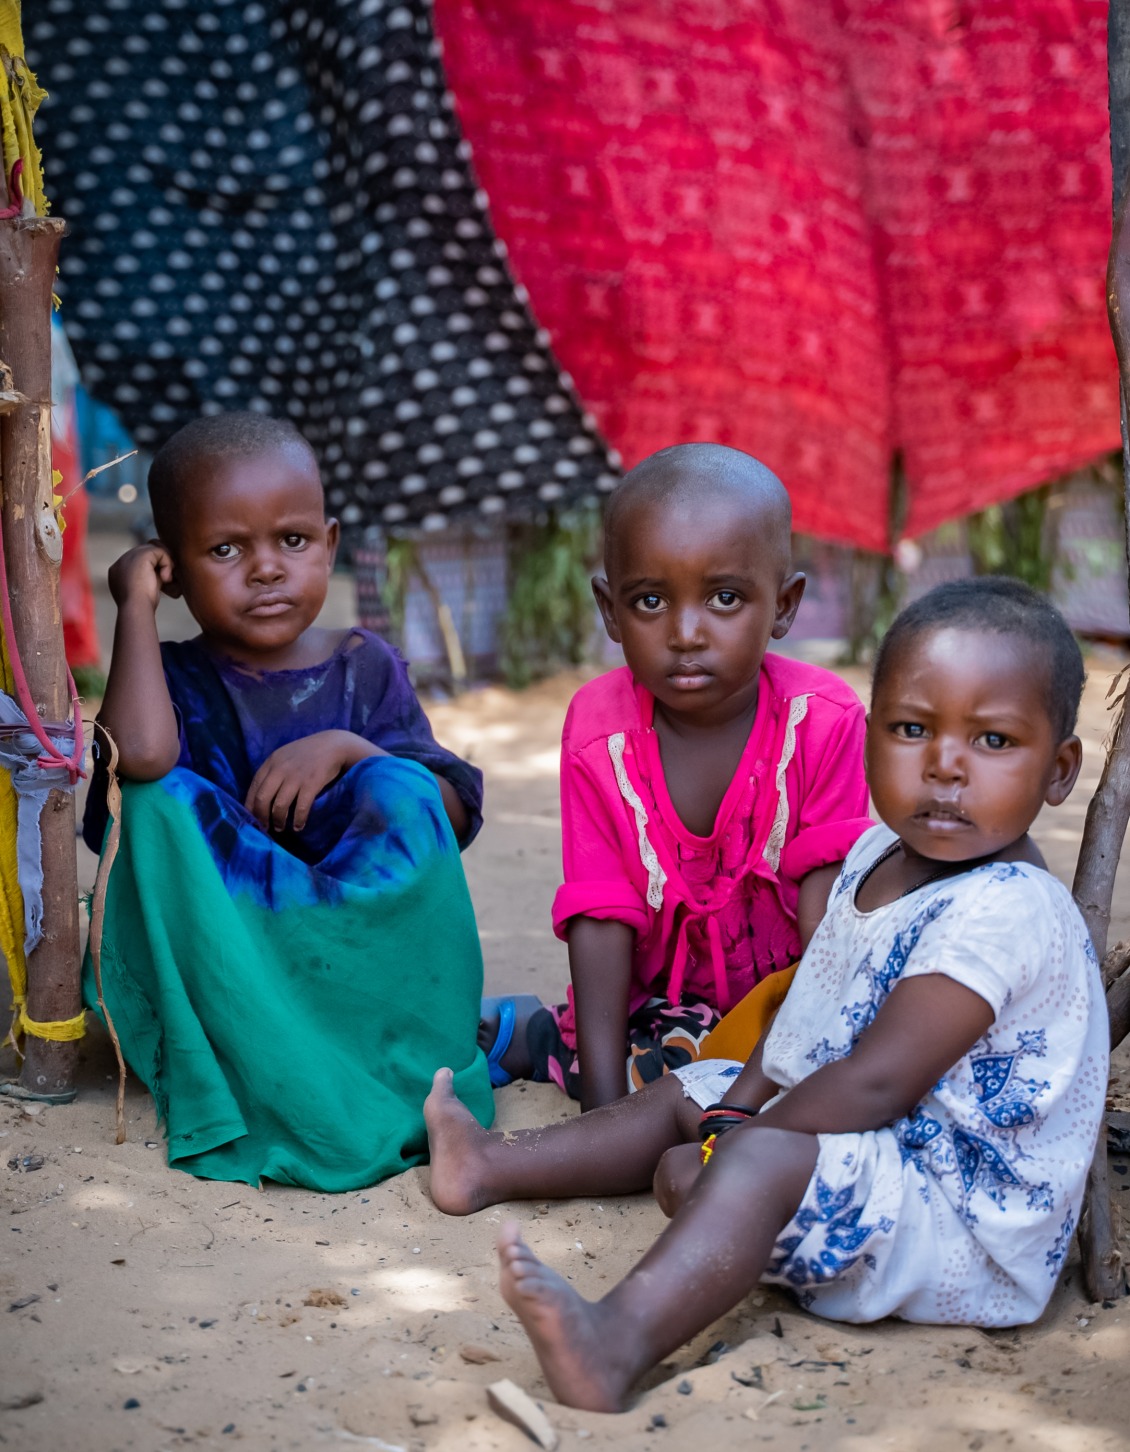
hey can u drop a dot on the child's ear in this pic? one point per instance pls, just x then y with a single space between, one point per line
788 603
604 601
1068 760
333 539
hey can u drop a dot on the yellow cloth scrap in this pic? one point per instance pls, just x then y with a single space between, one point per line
20 95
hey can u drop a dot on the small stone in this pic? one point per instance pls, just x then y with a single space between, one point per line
422 1417
229 1428
684 1388
659 1420
130 1404
477 1355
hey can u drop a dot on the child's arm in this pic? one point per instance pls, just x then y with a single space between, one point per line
293 775
925 1026
600 964
812 900
136 709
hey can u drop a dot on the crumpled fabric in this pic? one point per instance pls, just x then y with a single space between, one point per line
19 757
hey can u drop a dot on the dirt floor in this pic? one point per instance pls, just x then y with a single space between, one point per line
147 1310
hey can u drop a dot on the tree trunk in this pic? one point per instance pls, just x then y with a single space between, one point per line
29 249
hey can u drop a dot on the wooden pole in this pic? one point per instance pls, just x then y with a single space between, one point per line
1105 829
29 250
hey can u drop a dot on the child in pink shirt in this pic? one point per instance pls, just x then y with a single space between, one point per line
709 792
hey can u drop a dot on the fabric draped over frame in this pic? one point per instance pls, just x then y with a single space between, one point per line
827 234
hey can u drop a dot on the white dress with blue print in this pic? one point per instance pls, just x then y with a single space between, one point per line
962 1211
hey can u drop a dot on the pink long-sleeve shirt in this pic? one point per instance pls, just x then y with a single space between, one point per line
712 915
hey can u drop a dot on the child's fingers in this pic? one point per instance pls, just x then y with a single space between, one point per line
261 794
303 802
282 802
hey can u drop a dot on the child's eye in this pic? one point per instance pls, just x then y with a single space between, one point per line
909 730
294 541
222 551
994 740
725 599
649 604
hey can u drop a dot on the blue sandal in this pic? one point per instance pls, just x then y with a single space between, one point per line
506 1018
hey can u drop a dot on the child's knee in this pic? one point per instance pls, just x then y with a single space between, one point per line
675 1176
779 1160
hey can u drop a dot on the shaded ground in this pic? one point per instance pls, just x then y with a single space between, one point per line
151 1310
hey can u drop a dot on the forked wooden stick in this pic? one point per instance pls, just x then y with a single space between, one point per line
1109 811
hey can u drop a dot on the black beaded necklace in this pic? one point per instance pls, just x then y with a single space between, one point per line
952 869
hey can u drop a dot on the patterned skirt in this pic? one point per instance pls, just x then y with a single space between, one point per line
661 1036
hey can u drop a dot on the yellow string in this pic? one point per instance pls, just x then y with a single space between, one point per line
60 1031
20 95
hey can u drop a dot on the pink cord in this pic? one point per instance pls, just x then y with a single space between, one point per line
51 757
15 191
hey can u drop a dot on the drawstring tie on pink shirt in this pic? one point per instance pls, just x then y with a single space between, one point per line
713 933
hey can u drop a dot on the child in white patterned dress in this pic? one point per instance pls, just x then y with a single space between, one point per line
912 1135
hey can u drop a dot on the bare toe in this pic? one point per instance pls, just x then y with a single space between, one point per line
573 1338
457 1143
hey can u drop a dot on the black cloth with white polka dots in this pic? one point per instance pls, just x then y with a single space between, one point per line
271 207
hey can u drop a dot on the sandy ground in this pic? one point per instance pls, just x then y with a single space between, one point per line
147 1310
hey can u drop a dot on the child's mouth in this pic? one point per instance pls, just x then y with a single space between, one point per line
270 605
689 678
942 818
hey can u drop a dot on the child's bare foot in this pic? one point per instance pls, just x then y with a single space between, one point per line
580 1351
513 1055
457 1142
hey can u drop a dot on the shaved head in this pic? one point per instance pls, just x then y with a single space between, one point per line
195 451
694 476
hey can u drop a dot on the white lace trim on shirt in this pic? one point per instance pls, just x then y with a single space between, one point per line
656 877
774 843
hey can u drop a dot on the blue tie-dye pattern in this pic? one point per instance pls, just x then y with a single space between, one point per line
324 862
231 720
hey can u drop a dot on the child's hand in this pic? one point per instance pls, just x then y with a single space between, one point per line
142 575
292 776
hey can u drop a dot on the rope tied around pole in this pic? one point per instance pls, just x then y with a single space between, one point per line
32 782
52 756
98 917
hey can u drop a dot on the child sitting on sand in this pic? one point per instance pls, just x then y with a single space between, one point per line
709 791
289 948
912 1136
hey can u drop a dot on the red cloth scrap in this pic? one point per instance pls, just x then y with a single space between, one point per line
822 233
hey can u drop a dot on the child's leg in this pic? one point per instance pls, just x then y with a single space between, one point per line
609 1151
711 1255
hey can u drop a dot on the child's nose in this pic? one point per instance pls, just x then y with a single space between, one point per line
266 565
947 761
686 628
